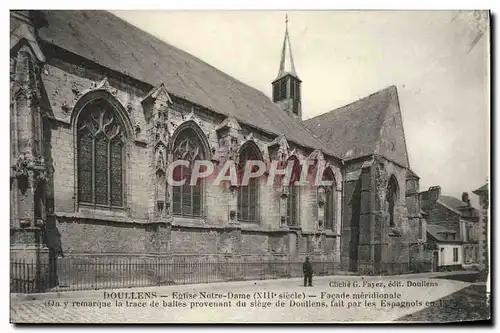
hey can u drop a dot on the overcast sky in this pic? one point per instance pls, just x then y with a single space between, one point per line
440 73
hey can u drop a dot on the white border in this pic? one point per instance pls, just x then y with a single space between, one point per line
186 4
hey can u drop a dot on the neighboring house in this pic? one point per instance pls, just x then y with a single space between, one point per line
483 259
447 246
455 218
100 109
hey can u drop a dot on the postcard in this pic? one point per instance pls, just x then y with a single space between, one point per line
249 166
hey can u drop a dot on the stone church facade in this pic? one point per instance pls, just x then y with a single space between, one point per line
99 109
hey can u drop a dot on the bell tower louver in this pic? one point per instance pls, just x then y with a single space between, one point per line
286 86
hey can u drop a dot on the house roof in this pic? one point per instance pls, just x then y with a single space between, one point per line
482 189
355 130
458 206
437 231
452 202
412 174
118 45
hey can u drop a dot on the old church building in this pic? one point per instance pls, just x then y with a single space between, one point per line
100 108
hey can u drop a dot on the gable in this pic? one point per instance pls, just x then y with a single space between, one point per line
364 127
391 141
21 32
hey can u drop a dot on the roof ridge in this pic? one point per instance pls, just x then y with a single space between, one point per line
450 196
262 94
187 76
189 55
324 147
445 205
315 137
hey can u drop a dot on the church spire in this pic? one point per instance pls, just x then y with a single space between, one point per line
286 87
286 65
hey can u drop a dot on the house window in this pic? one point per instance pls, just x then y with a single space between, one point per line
292 209
392 195
100 154
455 254
470 236
248 195
330 200
420 228
187 199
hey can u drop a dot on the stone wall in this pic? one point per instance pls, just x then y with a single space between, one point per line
350 233
483 237
135 229
398 239
367 236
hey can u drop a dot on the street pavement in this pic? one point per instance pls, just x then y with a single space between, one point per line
330 300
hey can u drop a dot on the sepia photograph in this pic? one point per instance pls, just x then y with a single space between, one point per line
249 166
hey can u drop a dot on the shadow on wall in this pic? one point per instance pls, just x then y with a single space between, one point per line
355 205
51 235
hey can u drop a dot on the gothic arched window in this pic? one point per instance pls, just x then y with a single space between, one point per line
292 209
392 196
248 195
187 199
100 155
330 200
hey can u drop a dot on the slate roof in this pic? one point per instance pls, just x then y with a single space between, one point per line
436 232
482 189
457 205
452 202
412 173
354 130
118 45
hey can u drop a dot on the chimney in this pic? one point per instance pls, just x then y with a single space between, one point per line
434 193
465 198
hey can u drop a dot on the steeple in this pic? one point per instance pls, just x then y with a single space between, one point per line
286 87
286 65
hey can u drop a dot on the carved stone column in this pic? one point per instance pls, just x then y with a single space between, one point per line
233 204
28 169
321 207
285 192
155 104
27 164
169 199
233 155
229 135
